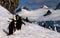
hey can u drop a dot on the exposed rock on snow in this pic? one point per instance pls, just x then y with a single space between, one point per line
58 6
48 13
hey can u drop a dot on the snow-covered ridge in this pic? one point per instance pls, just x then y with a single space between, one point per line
33 14
37 15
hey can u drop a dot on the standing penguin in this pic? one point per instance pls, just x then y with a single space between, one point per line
11 27
19 22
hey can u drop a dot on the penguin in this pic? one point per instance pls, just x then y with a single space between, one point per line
19 22
11 27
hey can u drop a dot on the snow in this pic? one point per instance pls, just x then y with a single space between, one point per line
45 6
30 30
6 13
54 16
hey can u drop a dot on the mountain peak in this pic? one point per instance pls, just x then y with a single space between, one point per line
45 6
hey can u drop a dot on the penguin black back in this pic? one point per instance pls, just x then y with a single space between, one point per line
18 22
11 27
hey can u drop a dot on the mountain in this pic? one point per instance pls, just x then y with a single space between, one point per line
48 13
33 15
37 15
58 6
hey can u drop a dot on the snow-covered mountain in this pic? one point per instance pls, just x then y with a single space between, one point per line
30 30
33 15
38 15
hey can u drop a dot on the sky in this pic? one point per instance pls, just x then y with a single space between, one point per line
35 4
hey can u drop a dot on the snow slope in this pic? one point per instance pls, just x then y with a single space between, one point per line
30 30
5 16
55 15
